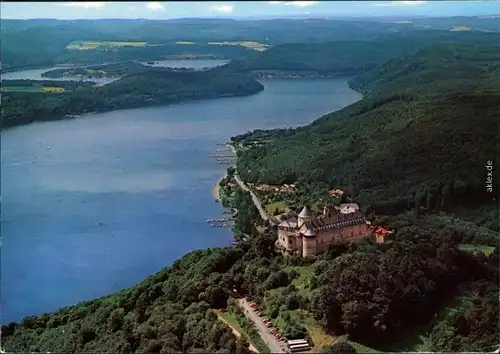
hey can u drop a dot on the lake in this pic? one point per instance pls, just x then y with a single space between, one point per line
96 204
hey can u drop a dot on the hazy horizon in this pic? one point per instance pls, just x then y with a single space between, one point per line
245 10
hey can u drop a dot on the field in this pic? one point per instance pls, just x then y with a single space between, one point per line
231 319
317 334
302 281
360 348
260 47
91 45
281 206
460 28
32 89
487 250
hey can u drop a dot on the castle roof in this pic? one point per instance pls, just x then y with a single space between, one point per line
291 223
339 221
305 213
350 205
309 232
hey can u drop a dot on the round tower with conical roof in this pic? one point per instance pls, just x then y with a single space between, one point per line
304 216
309 242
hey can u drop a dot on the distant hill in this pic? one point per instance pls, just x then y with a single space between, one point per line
42 42
427 121
353 57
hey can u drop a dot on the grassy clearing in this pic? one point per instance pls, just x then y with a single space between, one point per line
319 337
32 89
53 89
233 321
281 206
487 250
460 28
360 348
303 280
91 45
260 47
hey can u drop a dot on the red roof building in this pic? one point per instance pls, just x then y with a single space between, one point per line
380 234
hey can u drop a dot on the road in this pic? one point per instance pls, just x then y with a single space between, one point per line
255 200
274 345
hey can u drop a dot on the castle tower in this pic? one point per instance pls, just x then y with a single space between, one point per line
309 243
304 216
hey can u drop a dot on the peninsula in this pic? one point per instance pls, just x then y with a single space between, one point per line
26 101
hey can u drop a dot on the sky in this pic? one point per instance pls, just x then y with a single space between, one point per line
237 9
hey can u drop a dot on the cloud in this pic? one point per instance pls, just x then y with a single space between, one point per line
400 3
222 8
155 6
294 3
87 4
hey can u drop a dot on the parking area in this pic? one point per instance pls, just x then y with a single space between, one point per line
271 335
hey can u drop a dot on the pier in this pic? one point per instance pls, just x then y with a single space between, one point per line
223 156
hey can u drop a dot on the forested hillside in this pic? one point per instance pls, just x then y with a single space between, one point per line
354 56
377 294
43 42
152 86
427 126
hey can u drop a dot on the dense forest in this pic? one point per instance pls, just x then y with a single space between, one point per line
376 294
423 129
352 57
152 86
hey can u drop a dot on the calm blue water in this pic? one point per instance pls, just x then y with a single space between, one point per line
94 205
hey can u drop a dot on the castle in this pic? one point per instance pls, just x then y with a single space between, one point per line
308 236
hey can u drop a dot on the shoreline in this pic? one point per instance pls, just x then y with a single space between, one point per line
216 189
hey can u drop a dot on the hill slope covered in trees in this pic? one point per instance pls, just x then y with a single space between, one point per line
428 122
374 293
354 56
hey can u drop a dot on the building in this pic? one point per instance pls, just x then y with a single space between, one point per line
381 234
308 236
336 193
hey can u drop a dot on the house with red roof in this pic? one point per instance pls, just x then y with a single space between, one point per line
381 233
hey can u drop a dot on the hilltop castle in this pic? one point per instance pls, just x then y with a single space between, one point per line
309 236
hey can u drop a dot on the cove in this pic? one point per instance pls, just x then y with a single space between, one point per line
95 204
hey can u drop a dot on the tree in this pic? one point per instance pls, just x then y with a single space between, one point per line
340 347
